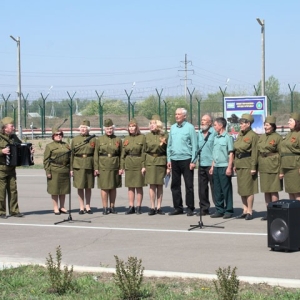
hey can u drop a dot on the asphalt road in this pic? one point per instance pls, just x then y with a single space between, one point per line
164 243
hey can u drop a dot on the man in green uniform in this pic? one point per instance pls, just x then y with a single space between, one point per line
82 165
221 169
8 177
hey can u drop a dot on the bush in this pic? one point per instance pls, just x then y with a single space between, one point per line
60 279
227 285
129 277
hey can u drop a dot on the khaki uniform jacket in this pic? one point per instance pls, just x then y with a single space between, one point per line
82 156
57 158
156 149
290 151
133 152
246 142
3 143
107 155
269 147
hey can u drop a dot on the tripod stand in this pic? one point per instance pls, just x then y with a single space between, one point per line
200 224
70 219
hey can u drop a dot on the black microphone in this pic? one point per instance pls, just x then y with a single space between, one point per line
207 136
89 138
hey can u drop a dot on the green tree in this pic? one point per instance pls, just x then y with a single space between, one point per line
148 107
272 91
117 107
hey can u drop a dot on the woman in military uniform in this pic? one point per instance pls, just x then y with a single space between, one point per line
156 163
57 167
133 162
245 165
82 166
107 166
290 158
269 162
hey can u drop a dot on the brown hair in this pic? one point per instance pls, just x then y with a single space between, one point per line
297 125
137 129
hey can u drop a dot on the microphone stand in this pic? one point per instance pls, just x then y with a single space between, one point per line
70 219
200 224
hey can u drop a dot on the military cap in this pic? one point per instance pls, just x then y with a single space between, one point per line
108 123
56 130
155 118
86 123
248 117
133 121
295 116
270 120
7 120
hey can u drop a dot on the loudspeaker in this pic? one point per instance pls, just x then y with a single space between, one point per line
284 225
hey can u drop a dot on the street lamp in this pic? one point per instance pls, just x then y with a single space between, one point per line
262 24
19 85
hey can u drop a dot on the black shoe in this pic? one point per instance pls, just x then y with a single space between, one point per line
57 213
138 210
189 212
152 212
227 216
248 217
130 211
18 215
176 212
265 218
90 212
113 211
3 216
216 215
242 216
81 212
106 211
160 212
63 211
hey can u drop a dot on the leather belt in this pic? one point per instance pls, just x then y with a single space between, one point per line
156 154
84 155
266 154
59 164
108 155
132 154
243 155
290 154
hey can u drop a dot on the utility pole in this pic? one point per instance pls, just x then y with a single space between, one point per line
186 62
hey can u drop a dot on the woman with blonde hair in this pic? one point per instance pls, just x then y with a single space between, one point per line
133 162
156 163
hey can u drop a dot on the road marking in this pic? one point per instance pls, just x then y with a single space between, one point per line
139 229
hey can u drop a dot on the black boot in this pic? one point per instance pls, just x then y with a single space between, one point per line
138 210
106 211
113 211
130 210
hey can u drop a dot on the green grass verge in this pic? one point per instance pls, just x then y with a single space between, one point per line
32 282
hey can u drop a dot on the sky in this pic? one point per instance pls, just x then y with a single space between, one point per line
140 46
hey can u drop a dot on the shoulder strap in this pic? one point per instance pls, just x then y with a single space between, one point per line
4 138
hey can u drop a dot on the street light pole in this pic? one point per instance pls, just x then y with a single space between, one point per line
19 84
262 24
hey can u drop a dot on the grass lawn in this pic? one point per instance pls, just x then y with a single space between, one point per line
32 282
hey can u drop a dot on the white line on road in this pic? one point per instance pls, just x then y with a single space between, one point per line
139 229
